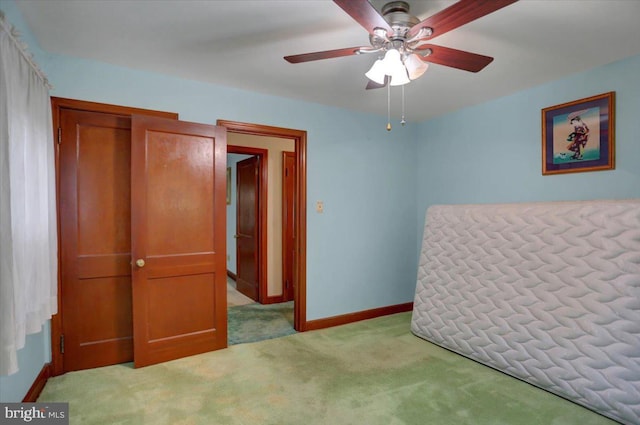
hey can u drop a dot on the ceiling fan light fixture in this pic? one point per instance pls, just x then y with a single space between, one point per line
377 72
390 65
415 66
399 77
395 68
391 61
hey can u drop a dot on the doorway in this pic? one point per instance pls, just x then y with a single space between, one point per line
247 220
299 139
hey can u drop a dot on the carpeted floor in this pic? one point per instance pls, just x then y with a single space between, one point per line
249 321
371 372
257 322
234 297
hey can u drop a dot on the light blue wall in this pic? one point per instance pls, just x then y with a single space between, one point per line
35 354
492 152
14 17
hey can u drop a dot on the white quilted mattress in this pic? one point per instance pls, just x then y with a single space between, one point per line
546 292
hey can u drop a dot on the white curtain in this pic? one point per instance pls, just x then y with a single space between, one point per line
28 233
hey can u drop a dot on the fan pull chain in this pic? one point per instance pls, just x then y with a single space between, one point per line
403 122
388 107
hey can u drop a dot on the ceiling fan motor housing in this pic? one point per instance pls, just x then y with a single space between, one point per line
396 13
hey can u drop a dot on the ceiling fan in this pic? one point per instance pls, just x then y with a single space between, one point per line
403 39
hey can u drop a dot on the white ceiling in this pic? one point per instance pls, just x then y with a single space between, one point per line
242 44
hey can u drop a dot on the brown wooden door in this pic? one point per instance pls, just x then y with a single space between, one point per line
288 223
247 210
95 245
178 219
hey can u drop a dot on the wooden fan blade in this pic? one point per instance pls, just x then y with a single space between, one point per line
453 58
373 85
327 54
365 14
458 14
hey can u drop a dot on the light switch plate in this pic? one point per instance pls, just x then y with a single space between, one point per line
319 207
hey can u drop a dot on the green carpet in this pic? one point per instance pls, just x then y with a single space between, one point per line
371 372
257 322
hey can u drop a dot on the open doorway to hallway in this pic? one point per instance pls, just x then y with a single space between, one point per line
258 307
299 139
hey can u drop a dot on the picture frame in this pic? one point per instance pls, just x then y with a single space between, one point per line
578 136
228 185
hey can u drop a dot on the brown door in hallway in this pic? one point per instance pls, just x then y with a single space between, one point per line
288 223
247 212
95 242
178 194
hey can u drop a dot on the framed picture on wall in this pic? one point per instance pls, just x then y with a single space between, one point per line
579 136
228 185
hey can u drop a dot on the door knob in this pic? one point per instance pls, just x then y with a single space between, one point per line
140 262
